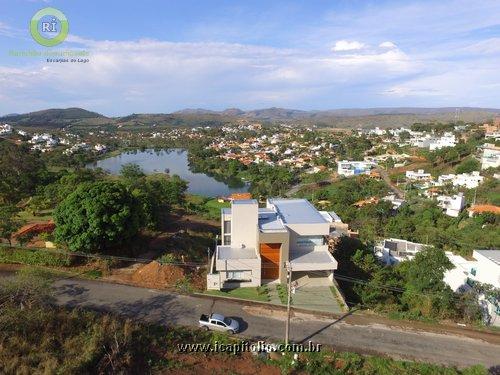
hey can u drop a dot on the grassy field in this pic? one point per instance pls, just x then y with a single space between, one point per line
254 294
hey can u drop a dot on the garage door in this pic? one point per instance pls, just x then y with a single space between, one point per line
270 255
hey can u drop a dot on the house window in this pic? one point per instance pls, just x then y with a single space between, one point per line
237 275
227 226
308 241
473 271
227 239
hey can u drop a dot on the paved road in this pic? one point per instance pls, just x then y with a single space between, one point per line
383 173
167 308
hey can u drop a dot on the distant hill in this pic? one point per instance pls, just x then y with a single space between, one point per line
55 118
339 118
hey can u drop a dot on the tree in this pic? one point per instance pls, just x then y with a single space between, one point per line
98 216
132 172
468 165
9 222
20 172
425 291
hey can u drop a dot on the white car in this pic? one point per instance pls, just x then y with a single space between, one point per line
219 322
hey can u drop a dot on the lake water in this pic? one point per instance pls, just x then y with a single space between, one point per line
175 162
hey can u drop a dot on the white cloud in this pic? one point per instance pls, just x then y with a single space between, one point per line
387 44
345 45
162 76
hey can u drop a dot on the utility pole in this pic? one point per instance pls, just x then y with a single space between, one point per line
289 288
208 259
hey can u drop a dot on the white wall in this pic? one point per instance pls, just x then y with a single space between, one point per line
244 225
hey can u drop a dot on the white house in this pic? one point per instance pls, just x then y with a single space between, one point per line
468 180
484 268
447 140
395 201
392 250
258 244
452 205
491 156
419 175
5 129
353 168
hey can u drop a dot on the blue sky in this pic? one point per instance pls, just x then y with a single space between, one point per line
162 56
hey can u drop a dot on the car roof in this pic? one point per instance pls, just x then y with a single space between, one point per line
217 317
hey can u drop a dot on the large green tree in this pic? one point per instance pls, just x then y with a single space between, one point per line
97 217
20 172
9 222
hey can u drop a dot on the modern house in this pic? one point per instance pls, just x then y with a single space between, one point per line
485 269
259 242
467 180
451 205
490 157
419 175
354 168
393 250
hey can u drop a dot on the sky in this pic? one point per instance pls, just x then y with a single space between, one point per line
162 56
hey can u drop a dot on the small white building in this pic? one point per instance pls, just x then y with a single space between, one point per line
484 268
452 205
447 140
395 201
468 180
419 175
491 156
393 250
5 129
353 168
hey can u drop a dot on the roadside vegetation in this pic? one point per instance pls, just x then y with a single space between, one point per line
39 337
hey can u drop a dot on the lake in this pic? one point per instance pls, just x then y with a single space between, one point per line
173 161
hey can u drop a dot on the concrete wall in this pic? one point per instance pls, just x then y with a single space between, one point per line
244 225
297 230
487 271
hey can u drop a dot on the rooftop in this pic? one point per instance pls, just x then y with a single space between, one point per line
244 201
493 255
269 221
297 211
228 252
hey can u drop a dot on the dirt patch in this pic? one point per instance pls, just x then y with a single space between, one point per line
218 364
155 275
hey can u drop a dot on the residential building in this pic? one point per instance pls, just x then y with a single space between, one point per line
419 175
5 129
392 250
258 243
468 180
452 205
353 168
483 268
491 156
395 201
483 209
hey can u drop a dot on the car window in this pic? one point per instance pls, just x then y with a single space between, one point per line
227 321
221 324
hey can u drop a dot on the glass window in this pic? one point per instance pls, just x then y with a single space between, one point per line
236 275
227 226
307 241
227 239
